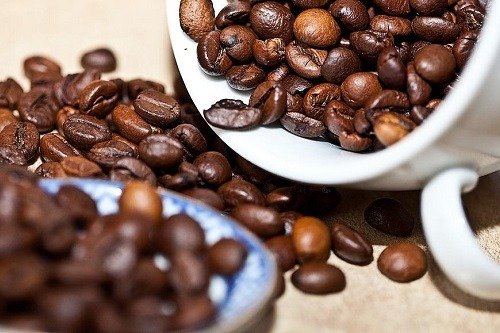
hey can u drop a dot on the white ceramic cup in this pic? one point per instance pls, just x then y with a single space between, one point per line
444 156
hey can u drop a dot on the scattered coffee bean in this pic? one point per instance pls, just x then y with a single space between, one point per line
350 246
226 257
197 17
389 216
318 278
232 114
402 262
311 239
282 249
101 59
262 221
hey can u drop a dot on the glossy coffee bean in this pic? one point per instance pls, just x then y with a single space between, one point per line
226 257
301 125
435 63
305 61
38 106
391 69
141 198
419 113
129 168
270 98
102 59
136 86
397 26
237 191
309 3
6 118
50 170
23 136
388 99
351 14
369 43
98 98
212 57
279 73
206 196
78 203
84 131
317 98
236 12
269 52
238 42
289 218
389 216
435 29
161 151
180 232
261 220
311 240
434 7
359 87
157 108
10 93
272 20
402 262
213 168
350 246
232 114
318 278
338 117
190 137
463 46
317 28
53 147
67 90
79 166
282 249
37 66
419 91
107 153
339 64
245 77
390 127
197 18
129 124
61 116
189 274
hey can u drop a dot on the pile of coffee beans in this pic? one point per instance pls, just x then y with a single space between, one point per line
65 268
360 74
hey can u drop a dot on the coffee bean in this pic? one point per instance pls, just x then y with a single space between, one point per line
189 274
402 262
232 114
252 172
269 52
79 166
50 170
21 276
434 7
38 107
128 168
317 98
311 239
12 155
213 168
270 98
245 77
391 68
419 113
279 73
309 3
136 86
359 87
226 257
351 14
272 20
180 232
197 18
361 124
107 153
301 125
129 124
282 249
369 43
190 137
261 220
61 116
339 64
237 12
435 63
318 278
141 198
338 117
84 131
397 26
157 108
10 93
22 135
305 61
394 7
161 151
77 203
101 59
38 66
98 98
212 57
388 99
6 118
435 29
194 312
350 246
206 196
419 91
67 90
236 192
317 28
282 198
390 127
238 42
53 147
462 47
390 217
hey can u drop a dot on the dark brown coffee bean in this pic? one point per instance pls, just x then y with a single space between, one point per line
136 86
238 42
62 115
316 27
368 43
338 117
390 127
361 124
50 170
67 90
402 262
272 20
388 99
270 98
129 124
435 29
269 52
98 98
226 257
178 182
79 166
161 151
419 91
180 232
352 141
232 114
435 63
434 7
394 7
101 59
419 113
76 202
279 73
139 198
77 273
212 57
309 3
311 239
197 18
236 192
190 137
282 249
84 131
317 98
128 168
12 155
6 118
206 196
236 12
22 135
10 93
318 278
54 147
213 168
391 68
289 218
469 15
282 198
462 48
305 61
397 26
38 107
107 153
194 312
301 125
350 246
359 87
38 66
261 220
189 274
389 216
245 77
21 276
157 108
339 64
351 14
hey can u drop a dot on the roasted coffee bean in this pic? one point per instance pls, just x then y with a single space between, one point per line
16 239
309 3
462 47
338 117
190 137
213 168
237 191
396 26
226 257
141 198
53 147
79 166
245 77
50 170
305 61
368 43
270 98
21 276
282 249
107 153
120 138
128 168
390 127
311 239
238 42
318 278
194 312
197 18
289 218
402 262
12 155
419 91
279 73
136 86
424 7
269 52
62 115
232 114
148 314
388 99
129 124
272 20
189 274
23 136
470 15
390 217
301 125
178 182
6 118
161 151
435 29
38 106
98 98
350 246
84 131
37 66
101 59
236 12
339 64
419 113
206 196
317 28
180 232
10 93
317 98
157 108
351 14
261 220
212 57
391 69
359 87
361 124
352 141
282 198
78 203
67 90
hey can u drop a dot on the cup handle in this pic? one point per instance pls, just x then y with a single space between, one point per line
450 238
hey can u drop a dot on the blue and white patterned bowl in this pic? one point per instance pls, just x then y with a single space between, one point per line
242 299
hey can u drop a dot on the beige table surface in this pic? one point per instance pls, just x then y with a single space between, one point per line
136 31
